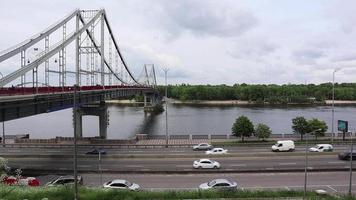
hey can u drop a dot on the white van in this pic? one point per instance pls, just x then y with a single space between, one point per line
284 145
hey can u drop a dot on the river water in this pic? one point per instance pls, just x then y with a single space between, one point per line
127 121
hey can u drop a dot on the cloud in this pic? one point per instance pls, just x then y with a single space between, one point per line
251 48
203 19
307 55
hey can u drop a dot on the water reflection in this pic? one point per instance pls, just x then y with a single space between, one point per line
126 122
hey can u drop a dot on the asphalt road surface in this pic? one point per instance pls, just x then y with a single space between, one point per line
146 151
180 164
332 182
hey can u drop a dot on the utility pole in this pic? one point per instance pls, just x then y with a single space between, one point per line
3 134
306 161
166 102
332 107
351 158
76 197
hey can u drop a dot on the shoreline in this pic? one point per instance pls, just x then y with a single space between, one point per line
234 102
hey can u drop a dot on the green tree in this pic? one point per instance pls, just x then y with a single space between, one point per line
242 127
300 126
262 131
317 127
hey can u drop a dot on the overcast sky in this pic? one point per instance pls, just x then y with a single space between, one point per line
213 41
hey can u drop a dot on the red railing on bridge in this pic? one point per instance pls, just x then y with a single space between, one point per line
11 91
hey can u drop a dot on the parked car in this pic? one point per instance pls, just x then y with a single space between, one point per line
216 151
202 146
206 164
219 184
23 181
65 180
347 155
321 148
284 145
96 151
29 181
121 184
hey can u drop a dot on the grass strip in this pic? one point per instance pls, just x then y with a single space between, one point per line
66 192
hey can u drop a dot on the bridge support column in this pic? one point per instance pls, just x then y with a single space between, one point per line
79 122
96 110
152 103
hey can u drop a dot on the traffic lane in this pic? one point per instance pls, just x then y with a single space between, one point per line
331 181
158 151
177 164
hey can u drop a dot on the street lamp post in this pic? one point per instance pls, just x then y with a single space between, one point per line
3 124
306 162
75 143
165 77
332 109
100 171
351 158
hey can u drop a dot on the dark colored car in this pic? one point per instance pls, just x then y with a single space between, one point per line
347 155
95 151
65 180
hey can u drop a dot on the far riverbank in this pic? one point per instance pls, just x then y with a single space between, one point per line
232 102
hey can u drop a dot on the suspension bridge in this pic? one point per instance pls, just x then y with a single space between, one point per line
76 61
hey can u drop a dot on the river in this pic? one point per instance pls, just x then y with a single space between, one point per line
126 121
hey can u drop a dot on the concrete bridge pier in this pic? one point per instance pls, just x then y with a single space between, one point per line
96 110
151 101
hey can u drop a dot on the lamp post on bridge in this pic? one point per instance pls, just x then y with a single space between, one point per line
166 99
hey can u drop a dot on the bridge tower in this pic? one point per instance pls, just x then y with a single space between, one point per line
43 80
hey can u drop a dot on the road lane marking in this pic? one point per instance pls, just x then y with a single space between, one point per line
183 166
84 166
134 166
238 165
287 163
336 162
14 150
332 188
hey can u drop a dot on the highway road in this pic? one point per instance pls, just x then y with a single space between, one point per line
170 160
232 164
146 151
332 182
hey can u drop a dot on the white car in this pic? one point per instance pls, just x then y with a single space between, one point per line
321 148
206 164
216 151
219 184
202 146
121 184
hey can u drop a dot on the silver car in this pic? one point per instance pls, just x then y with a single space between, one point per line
206 164
219 184
121 184
202 146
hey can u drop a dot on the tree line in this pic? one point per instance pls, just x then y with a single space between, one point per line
243 127
262 93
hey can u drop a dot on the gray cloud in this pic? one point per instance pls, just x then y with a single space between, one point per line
252 48
202 19
307 55
344 57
